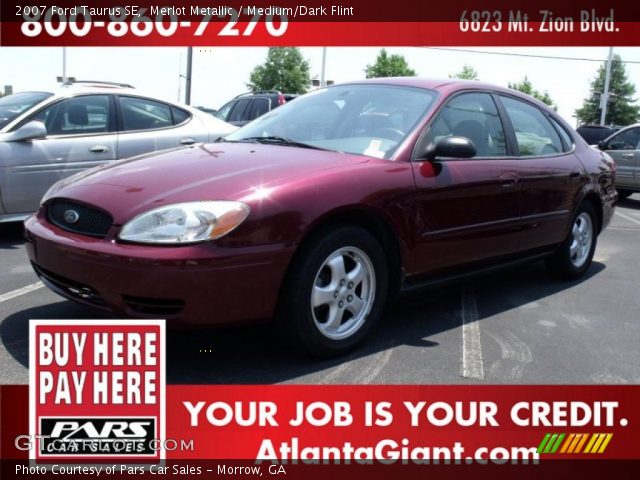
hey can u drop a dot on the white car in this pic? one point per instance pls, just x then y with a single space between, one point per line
45 136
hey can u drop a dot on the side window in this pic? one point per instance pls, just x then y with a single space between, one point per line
179 115
627 140
82 115
144 114
259 107
474 116
237 114
566 138
223 113
534 133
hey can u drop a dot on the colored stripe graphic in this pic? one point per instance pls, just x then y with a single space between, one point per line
572 443
570 440
581 443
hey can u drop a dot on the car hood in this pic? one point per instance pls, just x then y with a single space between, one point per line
217 171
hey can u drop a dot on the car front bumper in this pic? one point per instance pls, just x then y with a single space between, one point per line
195 285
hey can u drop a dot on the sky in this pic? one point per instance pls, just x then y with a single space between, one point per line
220 73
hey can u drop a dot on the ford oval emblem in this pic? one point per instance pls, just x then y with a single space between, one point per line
71 216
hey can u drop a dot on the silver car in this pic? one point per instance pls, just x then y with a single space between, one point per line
45 137
624 148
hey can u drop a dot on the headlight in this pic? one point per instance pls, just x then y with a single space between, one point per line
185 222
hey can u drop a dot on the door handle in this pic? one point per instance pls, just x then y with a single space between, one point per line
187 141
575 175
627 155
99 149
508 180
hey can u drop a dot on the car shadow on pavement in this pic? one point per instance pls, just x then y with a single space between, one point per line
11 235
255 354
632 203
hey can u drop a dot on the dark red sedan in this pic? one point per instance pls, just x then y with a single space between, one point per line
318 212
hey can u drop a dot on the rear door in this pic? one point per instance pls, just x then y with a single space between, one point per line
80 135
550 173
623 148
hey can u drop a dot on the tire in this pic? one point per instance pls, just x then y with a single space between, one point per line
335 291
622 194
573 258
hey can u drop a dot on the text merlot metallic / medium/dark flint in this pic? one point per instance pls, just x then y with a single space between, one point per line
319 211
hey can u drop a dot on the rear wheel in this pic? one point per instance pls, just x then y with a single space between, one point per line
335 292
574 256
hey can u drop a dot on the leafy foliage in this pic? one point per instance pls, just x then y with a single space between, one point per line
389 66
467 73
621 109
285 69
525 86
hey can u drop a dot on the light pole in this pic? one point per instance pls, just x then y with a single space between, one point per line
323 81
187 88
604 98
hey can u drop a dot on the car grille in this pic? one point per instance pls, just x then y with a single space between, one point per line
70 288
154 306
78 218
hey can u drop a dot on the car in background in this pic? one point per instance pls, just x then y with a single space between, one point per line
317 213
210 111
593 134
46 136
248 106
624 148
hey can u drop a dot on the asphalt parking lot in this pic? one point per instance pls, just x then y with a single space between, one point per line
517 326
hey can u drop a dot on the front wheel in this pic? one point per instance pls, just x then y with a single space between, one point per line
335 292
574 256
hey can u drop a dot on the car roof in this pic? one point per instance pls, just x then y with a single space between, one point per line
447 86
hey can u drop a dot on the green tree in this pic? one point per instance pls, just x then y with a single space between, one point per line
389 66
621 109
467 73
285 69
525 86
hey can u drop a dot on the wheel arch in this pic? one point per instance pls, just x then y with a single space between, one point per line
371 221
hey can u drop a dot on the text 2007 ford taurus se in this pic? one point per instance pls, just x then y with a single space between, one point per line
318 212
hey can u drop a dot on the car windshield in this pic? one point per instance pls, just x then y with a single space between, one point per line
14 105
362 119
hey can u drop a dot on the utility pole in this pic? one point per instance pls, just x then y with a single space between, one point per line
323 81
604 98
64 65
187 89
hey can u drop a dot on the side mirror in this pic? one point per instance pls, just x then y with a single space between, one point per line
451 147
29 131
602 145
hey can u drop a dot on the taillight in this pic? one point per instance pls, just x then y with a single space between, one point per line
281 100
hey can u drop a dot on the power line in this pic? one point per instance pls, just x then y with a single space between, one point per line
509 54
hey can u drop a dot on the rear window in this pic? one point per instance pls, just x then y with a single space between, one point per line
179 116
534 133
144 114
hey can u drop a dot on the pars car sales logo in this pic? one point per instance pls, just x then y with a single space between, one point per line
97 389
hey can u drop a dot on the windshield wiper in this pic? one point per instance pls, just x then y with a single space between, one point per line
276 140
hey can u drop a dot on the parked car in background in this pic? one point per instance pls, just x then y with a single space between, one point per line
210 111
47 136
624 148
320 211
249 106
592 134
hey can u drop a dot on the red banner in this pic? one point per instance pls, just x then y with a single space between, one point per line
383 424
318 23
